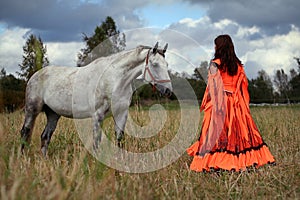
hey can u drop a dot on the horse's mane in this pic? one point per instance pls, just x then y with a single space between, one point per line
121 55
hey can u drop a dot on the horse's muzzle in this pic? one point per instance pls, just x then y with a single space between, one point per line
164 91
168 92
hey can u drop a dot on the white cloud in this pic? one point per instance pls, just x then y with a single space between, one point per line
245 32
189 22
11 50
63 54
183 53
260 51
223 24
189 39
275 52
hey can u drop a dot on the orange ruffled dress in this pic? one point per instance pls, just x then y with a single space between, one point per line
229 138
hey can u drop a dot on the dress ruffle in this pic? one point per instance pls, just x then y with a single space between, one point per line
255 156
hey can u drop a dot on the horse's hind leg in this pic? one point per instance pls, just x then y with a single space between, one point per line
27 129
52 119
32 109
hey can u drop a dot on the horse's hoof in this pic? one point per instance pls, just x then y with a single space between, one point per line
44 151
121 144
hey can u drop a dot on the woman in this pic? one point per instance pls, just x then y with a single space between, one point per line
229 138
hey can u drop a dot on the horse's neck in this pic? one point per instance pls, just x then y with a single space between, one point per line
131 65
131 61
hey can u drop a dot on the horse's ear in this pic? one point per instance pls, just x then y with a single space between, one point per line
155 47
165 48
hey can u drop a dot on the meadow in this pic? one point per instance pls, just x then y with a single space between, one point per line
71 172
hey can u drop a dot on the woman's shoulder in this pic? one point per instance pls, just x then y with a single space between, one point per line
216 61
213 66
241 68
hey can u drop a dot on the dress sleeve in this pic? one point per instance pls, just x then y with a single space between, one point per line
206 100
216 87
245 91
242 86
215 90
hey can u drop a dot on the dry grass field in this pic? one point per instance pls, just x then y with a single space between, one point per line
70 172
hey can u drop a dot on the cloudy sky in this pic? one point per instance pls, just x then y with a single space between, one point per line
266 33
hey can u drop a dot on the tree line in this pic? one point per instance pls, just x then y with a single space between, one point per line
106 40
283 88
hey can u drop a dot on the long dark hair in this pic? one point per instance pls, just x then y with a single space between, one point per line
224 51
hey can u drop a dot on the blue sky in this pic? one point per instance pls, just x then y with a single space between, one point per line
164 15
2 28
266 35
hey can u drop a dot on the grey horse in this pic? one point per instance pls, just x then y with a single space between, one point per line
93 91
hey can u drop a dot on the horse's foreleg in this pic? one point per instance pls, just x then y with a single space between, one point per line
52 119
119 135
120 117
98 118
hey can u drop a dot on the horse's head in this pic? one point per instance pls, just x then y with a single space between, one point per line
156 70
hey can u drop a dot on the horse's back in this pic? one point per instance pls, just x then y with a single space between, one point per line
51 86
47 77
64 89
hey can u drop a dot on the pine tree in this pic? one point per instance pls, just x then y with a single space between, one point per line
295 83
105 41
2 73
261 88
34 57
282 83
201 72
